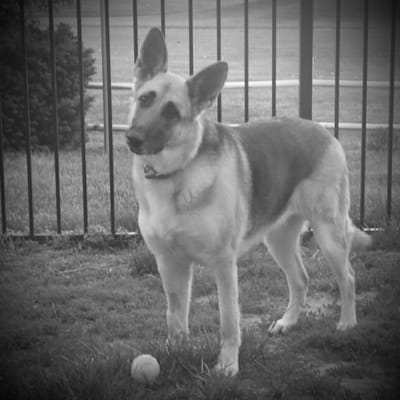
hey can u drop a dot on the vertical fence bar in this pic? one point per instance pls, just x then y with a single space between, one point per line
2 183
82 115
273 59
162 10
246 60
107 100
306 58
219 101
337 67
190 15
27 112
391 111
55 113
135 29
364 111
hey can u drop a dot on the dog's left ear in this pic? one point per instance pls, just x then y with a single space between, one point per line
153 57
205 86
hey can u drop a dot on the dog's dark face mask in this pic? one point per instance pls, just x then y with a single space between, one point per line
154 117
148 131
165 105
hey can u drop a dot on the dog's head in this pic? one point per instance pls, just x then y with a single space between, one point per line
165 106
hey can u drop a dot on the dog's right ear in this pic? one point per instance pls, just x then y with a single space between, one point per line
205 86
153 57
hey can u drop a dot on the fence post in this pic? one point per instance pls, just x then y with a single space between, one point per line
107 102
135 30
106 69
2 184
337 68
82 115
306 58
219 104
364 110
27 115
273 59
191 49
391 111
246 60
53 69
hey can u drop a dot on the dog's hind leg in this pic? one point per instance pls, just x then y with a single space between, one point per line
176 275
334 239
283 244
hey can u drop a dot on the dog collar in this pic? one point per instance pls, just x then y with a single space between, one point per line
151 173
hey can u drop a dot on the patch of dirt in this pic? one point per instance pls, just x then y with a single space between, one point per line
248 321
320 304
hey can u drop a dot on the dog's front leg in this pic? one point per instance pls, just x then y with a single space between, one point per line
176 275
228 300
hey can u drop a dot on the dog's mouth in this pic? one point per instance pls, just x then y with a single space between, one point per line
141 148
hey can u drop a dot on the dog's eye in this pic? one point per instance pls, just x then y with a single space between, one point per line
146 99
170 111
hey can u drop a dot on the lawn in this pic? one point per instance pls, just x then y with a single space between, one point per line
125 205
74 315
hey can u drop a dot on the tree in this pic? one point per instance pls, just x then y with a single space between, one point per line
40 86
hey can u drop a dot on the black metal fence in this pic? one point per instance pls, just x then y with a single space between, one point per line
305 84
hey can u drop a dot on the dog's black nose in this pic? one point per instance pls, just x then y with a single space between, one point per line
135 143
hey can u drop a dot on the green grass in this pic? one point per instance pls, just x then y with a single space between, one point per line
44 200
98 188
74 315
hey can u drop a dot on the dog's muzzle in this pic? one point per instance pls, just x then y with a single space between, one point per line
135 145
139 145
134 140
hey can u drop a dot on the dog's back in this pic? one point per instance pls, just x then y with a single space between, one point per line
281 153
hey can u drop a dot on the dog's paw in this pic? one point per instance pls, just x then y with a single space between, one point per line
228 361
278 327
227 369
345 325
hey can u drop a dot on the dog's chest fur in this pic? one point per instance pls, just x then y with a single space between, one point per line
182 213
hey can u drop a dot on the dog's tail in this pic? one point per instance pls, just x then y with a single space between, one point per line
360 240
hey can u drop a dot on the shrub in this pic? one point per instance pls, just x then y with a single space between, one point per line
40 87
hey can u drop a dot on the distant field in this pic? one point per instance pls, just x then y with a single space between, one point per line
259 49
126 208
232 100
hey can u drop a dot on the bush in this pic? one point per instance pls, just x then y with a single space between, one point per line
40 87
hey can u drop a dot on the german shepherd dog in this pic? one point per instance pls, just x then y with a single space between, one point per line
207 192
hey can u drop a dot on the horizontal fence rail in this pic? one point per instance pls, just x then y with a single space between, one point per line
330 125
349 83
345 83
305 84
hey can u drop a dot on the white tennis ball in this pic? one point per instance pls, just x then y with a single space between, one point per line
145 369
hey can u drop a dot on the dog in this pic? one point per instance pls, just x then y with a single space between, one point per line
208 192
